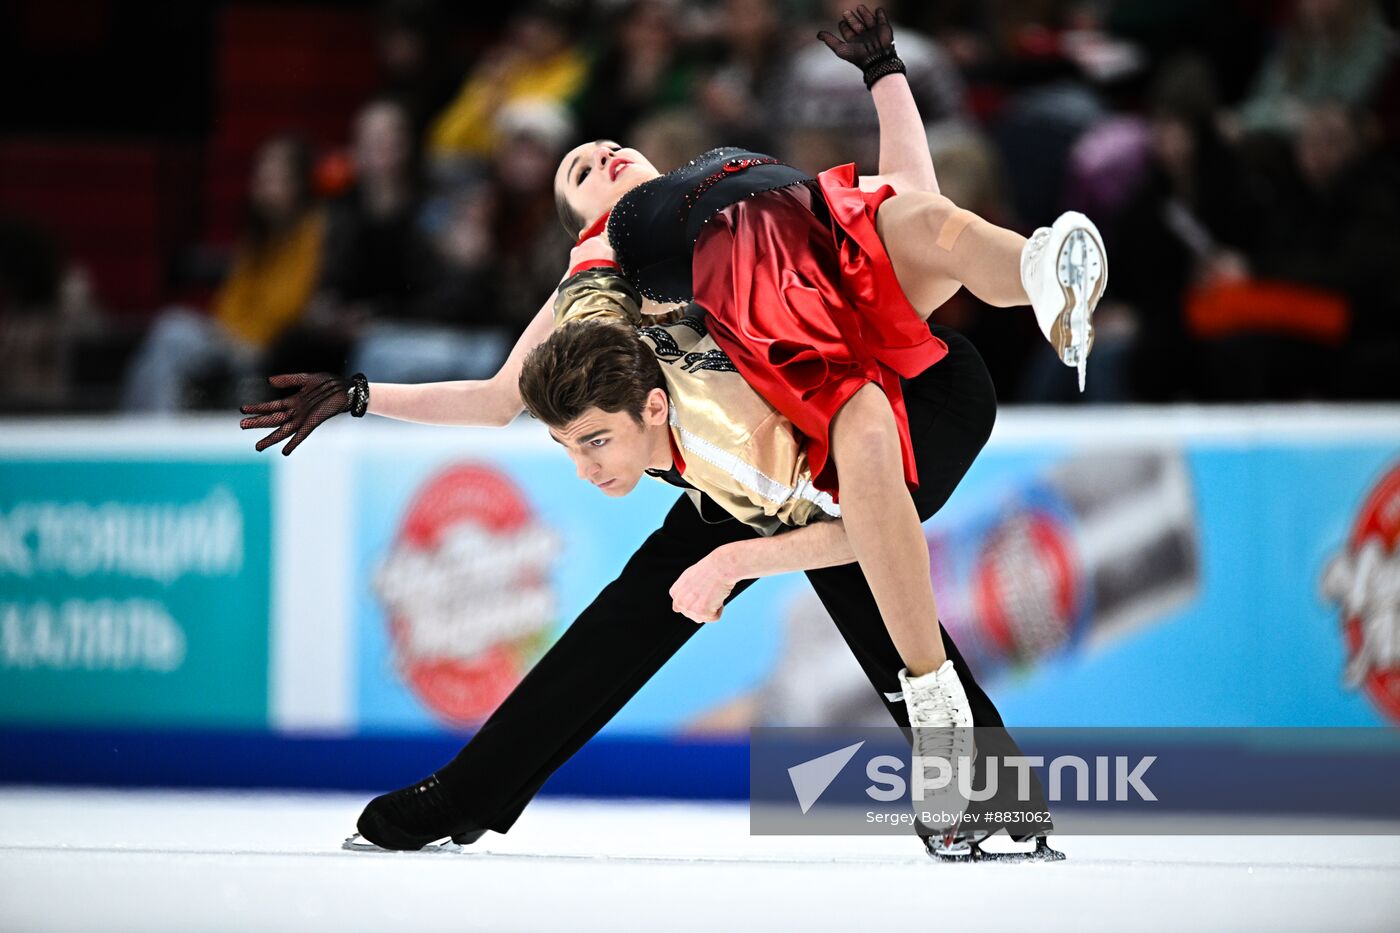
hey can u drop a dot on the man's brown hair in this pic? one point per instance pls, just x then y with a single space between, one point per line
589 364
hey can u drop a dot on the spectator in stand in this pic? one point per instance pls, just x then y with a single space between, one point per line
1189 221
1006 46
454 330
47 313
414 61
1333 234
378 262
740 90
830 119
274 272
1334 50
536 60
531 245
32 370
639 70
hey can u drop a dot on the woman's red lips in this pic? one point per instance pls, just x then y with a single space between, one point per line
617 166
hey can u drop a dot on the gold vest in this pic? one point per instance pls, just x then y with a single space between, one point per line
738 450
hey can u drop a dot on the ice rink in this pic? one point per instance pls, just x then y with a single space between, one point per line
86 860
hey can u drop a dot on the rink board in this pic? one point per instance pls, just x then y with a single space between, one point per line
1191 588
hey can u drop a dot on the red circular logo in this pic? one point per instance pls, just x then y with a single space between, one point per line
1024 586
1365 582
467 591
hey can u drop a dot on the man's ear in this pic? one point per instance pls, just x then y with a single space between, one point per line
657 409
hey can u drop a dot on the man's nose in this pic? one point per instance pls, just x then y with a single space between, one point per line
582 467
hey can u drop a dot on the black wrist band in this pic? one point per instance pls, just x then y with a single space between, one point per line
886 64
359 395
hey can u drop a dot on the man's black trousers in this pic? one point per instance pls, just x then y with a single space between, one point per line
630 631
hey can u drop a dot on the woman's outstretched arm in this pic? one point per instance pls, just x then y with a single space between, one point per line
489 402
484 402
867 41
318 397
905 162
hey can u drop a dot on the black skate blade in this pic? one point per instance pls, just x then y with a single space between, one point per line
358 843
973 852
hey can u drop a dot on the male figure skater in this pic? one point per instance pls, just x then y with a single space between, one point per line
665 401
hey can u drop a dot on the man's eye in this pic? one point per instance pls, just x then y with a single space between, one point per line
599 442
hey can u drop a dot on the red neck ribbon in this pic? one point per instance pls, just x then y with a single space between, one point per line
594 228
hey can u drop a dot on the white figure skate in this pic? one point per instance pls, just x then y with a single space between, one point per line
1064 270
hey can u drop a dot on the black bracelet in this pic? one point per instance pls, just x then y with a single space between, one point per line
885 64
359 395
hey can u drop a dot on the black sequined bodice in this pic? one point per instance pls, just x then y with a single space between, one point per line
653 227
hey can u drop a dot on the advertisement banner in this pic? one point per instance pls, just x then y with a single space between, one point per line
1225 569
468 566
1173 582
133 592
1185 584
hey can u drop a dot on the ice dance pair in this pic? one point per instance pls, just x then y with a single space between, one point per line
809 291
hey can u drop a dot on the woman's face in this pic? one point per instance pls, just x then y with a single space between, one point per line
593 176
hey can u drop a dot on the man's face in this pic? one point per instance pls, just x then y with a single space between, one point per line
593 176
611 450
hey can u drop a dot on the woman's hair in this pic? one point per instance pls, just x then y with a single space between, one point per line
258 228
589 364
568 216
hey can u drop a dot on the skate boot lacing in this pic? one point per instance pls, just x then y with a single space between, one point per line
420 807
933 709
941 729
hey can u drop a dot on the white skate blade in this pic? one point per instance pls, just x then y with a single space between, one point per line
358 843
969 852
1080 270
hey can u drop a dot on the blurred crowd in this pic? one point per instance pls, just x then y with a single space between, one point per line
1240 158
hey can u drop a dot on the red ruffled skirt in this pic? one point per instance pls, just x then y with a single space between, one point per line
809 310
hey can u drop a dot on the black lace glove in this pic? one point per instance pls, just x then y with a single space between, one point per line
318 396
867 41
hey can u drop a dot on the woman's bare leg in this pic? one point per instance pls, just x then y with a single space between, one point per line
883 526
937 247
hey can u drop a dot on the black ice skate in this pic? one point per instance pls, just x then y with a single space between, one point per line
412 817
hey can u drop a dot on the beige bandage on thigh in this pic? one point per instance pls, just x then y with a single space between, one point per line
953 227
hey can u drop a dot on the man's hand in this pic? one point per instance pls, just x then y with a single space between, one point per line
700 592
319 396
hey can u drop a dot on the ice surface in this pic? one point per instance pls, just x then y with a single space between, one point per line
85 860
